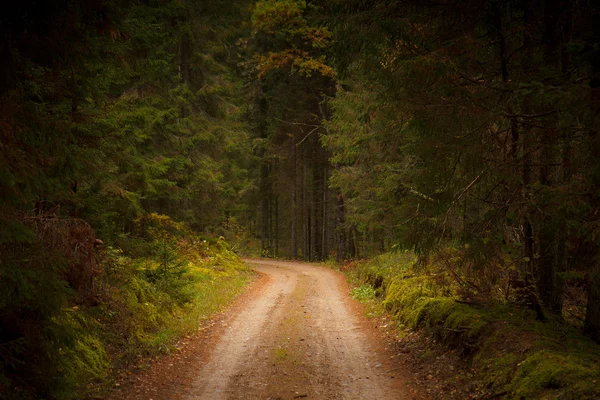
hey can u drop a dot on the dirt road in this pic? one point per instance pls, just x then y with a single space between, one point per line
297 337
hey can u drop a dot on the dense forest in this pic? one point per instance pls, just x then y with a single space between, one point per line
144 142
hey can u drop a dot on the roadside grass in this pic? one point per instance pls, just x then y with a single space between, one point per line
363 293
511 355
143 319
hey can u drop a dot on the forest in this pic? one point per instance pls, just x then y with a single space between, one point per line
146 144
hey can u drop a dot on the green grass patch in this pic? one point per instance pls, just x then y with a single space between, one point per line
363 293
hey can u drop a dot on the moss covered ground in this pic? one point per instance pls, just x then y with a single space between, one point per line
510 354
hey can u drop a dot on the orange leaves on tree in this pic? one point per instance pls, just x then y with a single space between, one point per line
285 19
319 38
300 62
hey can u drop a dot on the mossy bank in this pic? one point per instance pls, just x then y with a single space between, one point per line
508 352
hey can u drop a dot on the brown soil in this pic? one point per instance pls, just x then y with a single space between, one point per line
294 335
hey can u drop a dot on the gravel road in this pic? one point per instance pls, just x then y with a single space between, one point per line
295 335
299 339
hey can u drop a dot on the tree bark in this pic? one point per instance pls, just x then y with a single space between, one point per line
592 316
341 248
276 226
305 214
265 234
294 236
324 215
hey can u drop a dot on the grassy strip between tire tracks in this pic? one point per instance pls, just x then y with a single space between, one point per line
512 355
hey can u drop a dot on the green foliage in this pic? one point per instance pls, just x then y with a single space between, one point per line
471 126
379 273
372 171
148 120
68 347
297 43
81 361
42 275
363 293
112 111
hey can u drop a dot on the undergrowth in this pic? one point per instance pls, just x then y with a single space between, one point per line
363 292
514 356
156 286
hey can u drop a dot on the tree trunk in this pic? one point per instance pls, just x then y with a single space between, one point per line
314 229
270 219
324 215
592 316
265 236
276 226
305 214
341 248
557 23
316 202
547 267
526 137
294 236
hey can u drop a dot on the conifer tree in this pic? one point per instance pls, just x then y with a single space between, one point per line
291 75
484 106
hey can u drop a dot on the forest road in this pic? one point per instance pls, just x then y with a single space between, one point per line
298 339
298 336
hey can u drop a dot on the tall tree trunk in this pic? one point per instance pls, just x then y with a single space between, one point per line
557 22
353 242
314 229
305 214
341 248
324 249
527 145
276 226
316 202
265 234
592 316
271 210
293 228
546 267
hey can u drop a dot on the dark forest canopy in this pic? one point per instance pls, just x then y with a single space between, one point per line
469 128
114 116
465 131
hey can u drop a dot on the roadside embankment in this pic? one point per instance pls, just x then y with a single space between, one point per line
93 314
506 351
